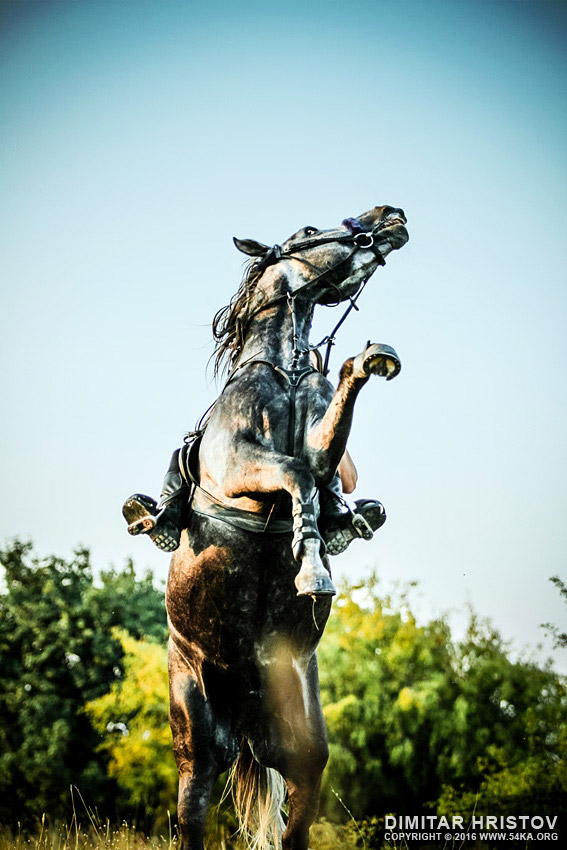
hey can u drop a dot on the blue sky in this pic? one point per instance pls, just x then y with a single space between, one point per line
138 137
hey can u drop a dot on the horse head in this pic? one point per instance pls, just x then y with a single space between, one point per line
330 265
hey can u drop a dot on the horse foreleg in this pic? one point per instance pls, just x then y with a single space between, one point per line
303 800
197 746
326 442
295 742
254 469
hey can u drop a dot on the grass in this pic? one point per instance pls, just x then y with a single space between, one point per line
324 836
62 837
87 832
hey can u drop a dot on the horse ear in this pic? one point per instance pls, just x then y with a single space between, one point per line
251 247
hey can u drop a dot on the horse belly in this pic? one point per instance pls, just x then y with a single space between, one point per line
229 590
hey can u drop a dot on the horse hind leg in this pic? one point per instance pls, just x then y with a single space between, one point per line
259 794
195 786
303 797
203 744
268 828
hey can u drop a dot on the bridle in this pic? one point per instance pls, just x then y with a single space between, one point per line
360 238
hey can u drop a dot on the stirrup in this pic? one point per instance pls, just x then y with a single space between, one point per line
140 512
368 516
144 516
166 536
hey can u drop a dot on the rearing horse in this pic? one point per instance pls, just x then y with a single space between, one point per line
244 627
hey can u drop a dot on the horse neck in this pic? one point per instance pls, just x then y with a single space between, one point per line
270 336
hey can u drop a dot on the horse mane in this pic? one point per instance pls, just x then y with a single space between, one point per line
231 323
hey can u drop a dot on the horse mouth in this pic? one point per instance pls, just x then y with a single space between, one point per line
393 220
391 233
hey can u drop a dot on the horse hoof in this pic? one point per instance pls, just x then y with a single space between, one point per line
315 585
377 359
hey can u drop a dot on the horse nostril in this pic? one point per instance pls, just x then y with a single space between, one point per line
395 213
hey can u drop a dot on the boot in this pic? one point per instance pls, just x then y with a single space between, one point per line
340 527
163 521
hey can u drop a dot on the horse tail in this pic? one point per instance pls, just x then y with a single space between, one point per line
259 794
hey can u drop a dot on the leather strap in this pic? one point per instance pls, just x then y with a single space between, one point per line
204 503
293 377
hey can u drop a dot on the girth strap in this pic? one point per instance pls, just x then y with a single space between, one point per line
205 504
243 520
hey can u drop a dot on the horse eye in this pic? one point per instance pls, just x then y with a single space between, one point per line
309 231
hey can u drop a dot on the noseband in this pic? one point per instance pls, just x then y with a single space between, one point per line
359 238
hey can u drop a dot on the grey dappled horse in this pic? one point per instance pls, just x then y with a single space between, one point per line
241 605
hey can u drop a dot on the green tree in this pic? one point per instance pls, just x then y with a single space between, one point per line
132 720
416 720
513 748
390 701
57 651
414 717
559 638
